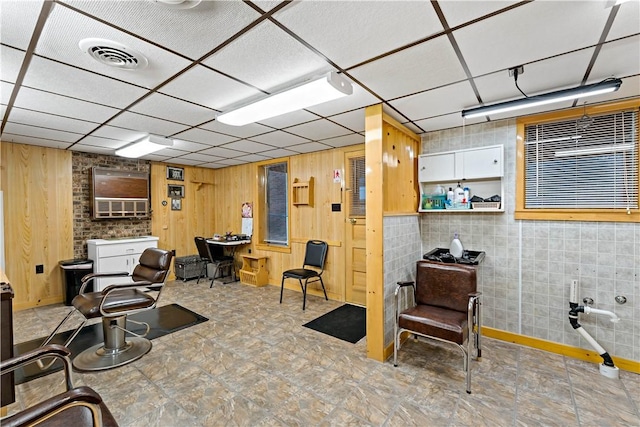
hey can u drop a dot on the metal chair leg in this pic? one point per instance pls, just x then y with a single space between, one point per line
281 289
323 289
304 294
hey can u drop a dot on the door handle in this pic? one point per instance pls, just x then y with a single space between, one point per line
352 220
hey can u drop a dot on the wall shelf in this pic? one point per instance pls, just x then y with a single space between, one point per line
302 192
254 270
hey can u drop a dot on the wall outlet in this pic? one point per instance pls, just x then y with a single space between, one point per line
39 269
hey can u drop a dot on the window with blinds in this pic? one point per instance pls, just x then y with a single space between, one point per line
277 206
357 179
590 162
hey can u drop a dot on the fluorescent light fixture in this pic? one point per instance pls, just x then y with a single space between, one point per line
605 86
147 145
603 149
331 86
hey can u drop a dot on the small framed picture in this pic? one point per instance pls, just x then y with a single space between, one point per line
175 191
176 204
175 174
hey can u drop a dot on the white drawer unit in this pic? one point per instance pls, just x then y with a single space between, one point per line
115 255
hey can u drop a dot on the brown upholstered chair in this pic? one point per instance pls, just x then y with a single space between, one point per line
445 307
79 406
113 304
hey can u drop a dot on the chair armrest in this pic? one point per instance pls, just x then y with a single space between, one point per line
86 279
120 286
83 396
397 293
51 350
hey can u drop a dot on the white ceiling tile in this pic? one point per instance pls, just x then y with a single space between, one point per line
360 98
425 66
80 84
185 161
459 12
318 129
10 63
5 92
29 140
107 143
446 121
213 21
84 148
354 120
35 118
531 32
277 153
166 107
205 137
212 166
413 128
222 152
146 124
618 59
17 21
238 131
279 139
290 119
188 145
627 20
350 32
117 133
251 158
309 147
232 162
63 106
170 152
206 87
268 58
560 72
65 28
154 157
199 157
266 5
434 102
40 132
247 146
345 140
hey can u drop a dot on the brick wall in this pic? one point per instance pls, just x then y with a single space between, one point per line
84 227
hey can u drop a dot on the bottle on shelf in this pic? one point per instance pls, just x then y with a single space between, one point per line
458 196
450 195
466 195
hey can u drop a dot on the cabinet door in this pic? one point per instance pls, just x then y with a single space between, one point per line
437 167
115 264
483 163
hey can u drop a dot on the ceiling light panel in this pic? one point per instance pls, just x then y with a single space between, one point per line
318 129
141 123
206 87
350 32
517 36
65 29
10 64
17 22
290 119
630 87
63 106
245 131
20 115
80 84
425 66
358 99
210 21
268 58
432 103
165 107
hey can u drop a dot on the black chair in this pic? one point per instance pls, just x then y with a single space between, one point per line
77 406
445 307
314 256
212 254
113 304
203 252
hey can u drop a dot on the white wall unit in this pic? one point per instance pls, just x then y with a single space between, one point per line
114 255
481 169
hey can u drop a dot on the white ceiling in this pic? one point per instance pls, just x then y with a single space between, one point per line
425 61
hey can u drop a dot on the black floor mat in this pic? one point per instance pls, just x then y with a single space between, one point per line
347 322
163 320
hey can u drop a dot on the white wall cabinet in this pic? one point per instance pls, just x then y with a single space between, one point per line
114 255
481 169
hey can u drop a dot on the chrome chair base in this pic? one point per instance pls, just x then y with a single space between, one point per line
98 358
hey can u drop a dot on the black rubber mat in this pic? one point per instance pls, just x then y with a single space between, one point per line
347 322
162 320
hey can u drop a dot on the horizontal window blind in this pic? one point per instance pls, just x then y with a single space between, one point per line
591 162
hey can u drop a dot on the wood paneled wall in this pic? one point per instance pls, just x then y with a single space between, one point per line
38 221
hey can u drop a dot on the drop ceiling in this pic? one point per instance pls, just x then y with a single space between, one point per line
425 61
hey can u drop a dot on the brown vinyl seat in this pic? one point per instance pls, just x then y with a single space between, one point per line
445 307
77 406
113 304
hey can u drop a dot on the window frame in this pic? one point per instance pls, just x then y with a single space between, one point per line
566 214
259 208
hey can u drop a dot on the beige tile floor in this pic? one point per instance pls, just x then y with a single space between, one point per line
253 364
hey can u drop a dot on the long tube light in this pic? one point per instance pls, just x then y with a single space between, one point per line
147 145
331 86
605 86
603 149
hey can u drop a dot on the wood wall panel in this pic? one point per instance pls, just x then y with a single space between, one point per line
400 168
38 221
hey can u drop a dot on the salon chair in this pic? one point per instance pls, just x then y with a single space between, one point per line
113 304
444 306
77 406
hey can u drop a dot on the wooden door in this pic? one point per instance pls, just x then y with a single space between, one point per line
355 229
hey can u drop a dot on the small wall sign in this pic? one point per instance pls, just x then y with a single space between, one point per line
175 174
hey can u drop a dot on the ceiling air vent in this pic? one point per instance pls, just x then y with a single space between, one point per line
113 54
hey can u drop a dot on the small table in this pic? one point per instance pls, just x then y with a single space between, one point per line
232 245
254 270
